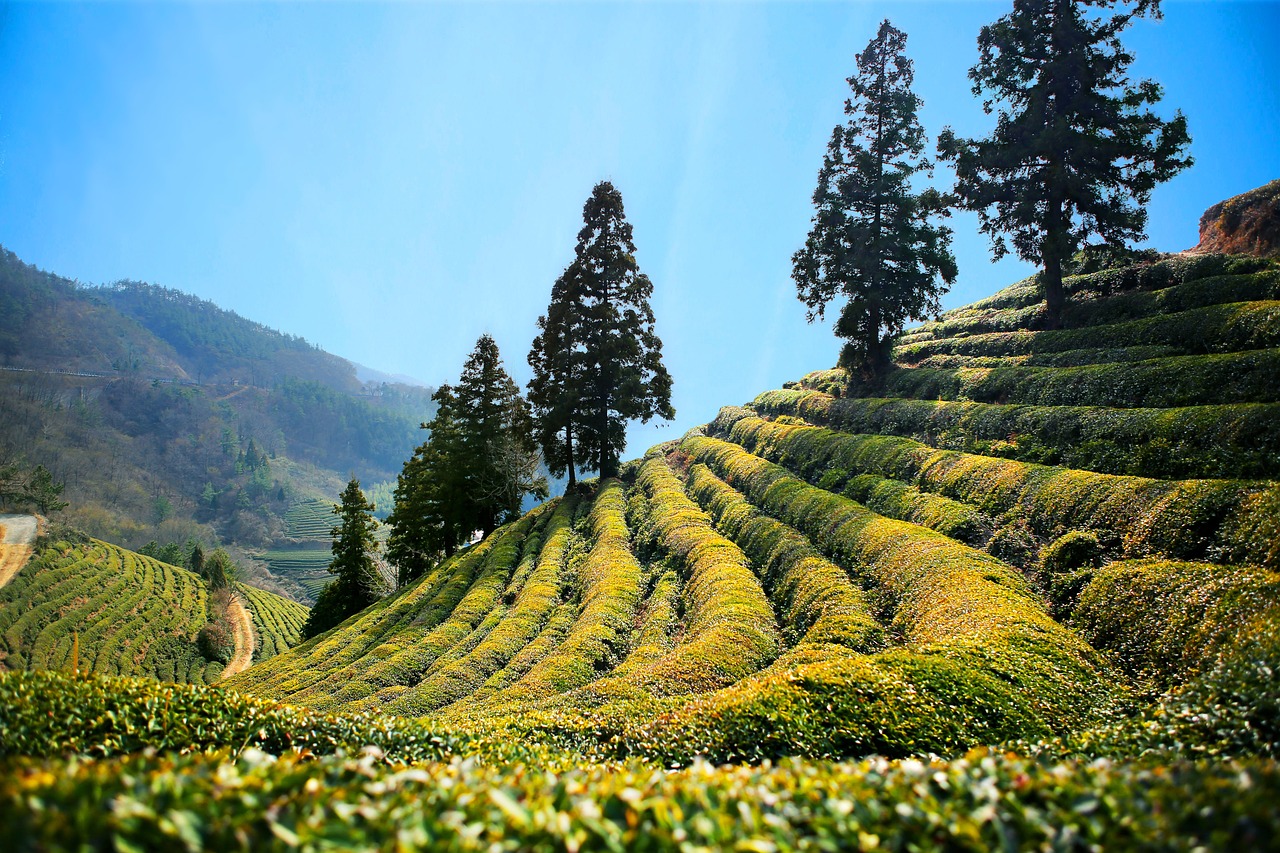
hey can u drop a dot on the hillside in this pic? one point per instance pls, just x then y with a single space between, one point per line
973 612
168 417
955 562
101 609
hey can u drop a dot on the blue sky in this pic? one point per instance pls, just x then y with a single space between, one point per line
391 181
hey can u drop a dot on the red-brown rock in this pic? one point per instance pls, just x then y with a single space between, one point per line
1248 224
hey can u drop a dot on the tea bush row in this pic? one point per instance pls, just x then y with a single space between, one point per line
1114 295
1240 441
815 599
1182 519
983 801
1226 327
1193 380
974 608
730 629
1166 622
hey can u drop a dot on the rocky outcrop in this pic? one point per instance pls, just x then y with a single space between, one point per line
1248 224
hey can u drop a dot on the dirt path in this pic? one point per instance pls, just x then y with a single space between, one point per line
17 536
242 622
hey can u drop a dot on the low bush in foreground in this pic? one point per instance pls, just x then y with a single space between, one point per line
985 801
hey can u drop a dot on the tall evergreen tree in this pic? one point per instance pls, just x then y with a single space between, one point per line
472 473
495 425
428 520
559 372
872 242
598 361
358 583
1075 151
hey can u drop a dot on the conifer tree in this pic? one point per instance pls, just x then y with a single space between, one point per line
428 520
872 242
358 583
495 425
559 371
1075 151
598 361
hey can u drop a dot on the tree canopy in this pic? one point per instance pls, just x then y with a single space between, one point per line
1076 151
474 470
872 242
597 360
358 583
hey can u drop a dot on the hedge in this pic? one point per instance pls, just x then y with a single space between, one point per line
1236 441
816 601
983 801
1185 519
1243 377
977 611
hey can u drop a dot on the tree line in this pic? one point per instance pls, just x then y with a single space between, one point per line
1075 153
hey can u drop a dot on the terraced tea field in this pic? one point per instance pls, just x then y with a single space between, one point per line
825 574
910 621
98 608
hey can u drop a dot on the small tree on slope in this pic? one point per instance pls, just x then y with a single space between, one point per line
1074 151
358 583
872 241
598 361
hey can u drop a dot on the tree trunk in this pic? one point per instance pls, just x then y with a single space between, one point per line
1055 298
568 444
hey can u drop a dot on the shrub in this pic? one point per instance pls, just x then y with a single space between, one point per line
216 641
1183 519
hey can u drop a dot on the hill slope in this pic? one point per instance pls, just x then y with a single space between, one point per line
168 417
98 608
829 574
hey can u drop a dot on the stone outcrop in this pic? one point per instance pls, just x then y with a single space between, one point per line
1248 224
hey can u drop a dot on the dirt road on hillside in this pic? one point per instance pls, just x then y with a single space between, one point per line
242 624
17 537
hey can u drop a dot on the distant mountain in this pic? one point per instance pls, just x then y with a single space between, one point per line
169 417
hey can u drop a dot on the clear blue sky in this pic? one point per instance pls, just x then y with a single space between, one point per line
390 181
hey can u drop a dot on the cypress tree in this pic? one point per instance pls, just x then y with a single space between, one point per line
598 361
358 583
872 242
1075 152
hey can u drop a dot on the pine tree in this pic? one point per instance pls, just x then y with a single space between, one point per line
428 520
559 371
1074 152
598 361
358 583
872 241
496 429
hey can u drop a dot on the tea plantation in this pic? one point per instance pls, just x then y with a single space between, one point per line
1026 597
101 609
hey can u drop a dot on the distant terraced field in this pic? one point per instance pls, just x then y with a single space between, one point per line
123 614
825 573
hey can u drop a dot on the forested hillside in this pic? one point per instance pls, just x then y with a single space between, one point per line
167 417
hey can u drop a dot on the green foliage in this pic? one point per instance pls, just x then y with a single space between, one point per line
1234 441
1076 151
1167 622
597 360
35 488
358 583
872 242
130 615
1184 519
983 801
